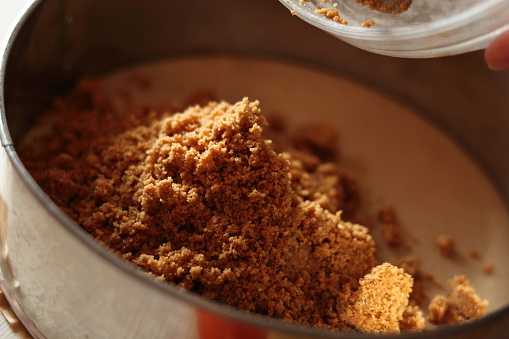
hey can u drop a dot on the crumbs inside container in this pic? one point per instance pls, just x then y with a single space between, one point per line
206 195
329 9
409 29
387 14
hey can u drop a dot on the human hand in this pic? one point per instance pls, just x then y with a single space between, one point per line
497 53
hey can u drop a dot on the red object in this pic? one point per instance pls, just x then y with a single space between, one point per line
212 326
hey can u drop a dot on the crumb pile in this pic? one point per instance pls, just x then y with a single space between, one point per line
202 199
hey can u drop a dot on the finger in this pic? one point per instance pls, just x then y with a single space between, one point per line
497 53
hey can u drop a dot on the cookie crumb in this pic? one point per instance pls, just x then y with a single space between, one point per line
489 268
385 289
389 226
461 304
368 24
446 245
474 254
331 14
412 318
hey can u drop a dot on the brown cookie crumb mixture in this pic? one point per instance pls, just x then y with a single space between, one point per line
201 199
387 6
461 304
204 200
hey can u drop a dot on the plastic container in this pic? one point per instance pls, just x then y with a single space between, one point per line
430 28
63 284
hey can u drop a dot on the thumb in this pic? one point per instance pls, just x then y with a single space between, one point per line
497 53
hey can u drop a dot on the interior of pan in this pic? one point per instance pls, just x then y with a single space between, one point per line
59 44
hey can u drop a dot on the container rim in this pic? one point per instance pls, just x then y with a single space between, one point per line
61 219
470 16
